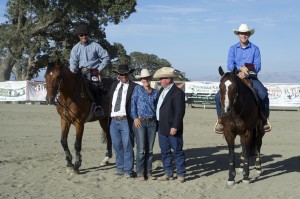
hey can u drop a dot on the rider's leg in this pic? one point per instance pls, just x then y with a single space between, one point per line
218 126
262 92
97 95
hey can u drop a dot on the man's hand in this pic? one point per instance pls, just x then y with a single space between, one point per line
243 72
137 123
173 131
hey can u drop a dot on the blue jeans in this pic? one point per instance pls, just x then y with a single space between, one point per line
121 141
145 137
262 93
166 143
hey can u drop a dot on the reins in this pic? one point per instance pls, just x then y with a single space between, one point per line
65 106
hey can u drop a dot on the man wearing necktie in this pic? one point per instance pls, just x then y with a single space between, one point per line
121 122
170 111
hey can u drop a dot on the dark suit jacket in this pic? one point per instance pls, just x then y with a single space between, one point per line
172 111
128 100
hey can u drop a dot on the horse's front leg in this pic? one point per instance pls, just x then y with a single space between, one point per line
78 142
65 126
246 145
231 172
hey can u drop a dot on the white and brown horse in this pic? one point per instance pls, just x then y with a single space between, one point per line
241 116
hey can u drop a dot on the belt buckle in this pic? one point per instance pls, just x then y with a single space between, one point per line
84 69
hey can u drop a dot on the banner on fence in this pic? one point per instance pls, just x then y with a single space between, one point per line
285 95
202 92
13 91
22 91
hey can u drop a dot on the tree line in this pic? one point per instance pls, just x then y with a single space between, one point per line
38 31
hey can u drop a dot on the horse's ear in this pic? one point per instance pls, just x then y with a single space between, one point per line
221 72
235 71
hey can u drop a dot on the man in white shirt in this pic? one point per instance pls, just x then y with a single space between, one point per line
121 121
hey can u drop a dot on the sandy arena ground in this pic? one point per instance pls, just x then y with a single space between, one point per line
33 164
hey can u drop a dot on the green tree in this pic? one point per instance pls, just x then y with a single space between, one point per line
151 62
37 30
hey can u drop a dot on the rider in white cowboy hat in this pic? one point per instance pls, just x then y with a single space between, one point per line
143 112
244 28
245 56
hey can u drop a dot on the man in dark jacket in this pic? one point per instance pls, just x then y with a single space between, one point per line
170 112
121 122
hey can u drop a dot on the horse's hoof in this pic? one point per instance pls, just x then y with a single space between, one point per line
74 173
230 183
69 170
247 181
105 161
240 170
259 172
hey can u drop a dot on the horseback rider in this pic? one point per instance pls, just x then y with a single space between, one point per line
90 58
246 57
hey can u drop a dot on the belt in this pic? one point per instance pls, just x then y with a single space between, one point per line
150 119
120 117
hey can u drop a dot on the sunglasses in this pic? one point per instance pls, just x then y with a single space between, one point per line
81 35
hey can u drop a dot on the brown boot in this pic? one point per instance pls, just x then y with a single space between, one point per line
219 127
267 126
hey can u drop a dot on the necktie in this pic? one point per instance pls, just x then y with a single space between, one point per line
119 99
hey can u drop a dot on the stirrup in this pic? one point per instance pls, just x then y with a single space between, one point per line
216 130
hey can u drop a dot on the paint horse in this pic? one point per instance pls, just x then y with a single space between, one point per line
74 103
241 115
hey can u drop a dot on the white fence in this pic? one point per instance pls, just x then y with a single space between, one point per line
281 95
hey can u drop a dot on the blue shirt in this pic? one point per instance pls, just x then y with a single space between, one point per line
90 55
143 103
238 56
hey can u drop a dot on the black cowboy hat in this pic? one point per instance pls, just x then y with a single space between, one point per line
123 69
82 28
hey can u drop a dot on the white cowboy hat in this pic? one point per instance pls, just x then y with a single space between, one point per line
144 73
166 72
244 28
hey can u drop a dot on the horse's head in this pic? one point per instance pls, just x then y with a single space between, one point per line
54 78
228 89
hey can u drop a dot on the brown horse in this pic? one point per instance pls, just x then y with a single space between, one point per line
241 116
72 97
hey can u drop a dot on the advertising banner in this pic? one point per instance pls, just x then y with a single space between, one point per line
13 91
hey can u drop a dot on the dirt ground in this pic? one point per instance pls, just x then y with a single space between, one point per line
33 163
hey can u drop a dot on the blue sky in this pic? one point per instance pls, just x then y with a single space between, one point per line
195 35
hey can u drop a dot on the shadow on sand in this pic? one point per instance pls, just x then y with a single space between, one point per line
211 160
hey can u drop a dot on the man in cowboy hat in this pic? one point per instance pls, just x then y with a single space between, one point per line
120 121
245 56
90 58
145 124
170 111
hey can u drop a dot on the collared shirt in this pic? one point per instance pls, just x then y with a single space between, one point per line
143 103
238 56
122 111
90 55
161 99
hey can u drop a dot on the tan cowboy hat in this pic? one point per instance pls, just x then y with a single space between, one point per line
123 69
144 73
244 28
166 72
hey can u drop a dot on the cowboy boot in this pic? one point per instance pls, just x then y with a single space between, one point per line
219 127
